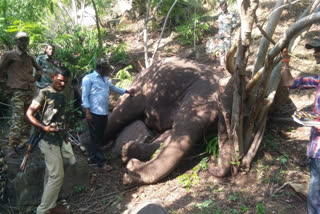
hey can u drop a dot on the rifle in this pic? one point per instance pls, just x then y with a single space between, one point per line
33 142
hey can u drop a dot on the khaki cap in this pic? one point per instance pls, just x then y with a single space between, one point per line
20 35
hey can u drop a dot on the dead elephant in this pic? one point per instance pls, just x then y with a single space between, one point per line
176 97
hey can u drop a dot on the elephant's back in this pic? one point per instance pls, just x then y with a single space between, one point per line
171 83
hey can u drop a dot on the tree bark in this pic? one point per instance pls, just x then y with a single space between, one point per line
83 4
145 36
270 28
98 25
247 10
75 11
163 27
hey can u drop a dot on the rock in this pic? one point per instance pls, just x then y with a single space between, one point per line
302 188
299 181
147 207
137 131
25 188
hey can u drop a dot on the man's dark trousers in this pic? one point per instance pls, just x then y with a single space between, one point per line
97 137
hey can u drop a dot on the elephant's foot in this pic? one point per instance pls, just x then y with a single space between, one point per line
134 164
132 177
129 179
218 170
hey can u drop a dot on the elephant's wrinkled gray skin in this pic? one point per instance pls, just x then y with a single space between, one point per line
177 97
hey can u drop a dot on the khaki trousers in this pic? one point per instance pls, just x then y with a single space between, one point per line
53 178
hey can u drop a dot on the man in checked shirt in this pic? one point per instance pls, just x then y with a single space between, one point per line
313 151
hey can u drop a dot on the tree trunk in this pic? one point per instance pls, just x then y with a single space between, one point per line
98 25
75 11
247 10
83 4
145 36
270 28
163 28
260 104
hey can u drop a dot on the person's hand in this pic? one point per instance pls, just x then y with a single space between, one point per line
285 55
89 118
131 91
51 128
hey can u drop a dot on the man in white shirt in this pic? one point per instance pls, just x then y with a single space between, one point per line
95 101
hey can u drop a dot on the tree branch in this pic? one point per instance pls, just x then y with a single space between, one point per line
163 27
145 36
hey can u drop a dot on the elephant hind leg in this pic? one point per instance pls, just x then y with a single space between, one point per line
225 152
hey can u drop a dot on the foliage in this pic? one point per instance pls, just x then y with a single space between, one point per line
234 197
270 141
205 204
36 31
124 77
186 32
187 180
260 209
78 51
79 189
212 145
119 55
73 116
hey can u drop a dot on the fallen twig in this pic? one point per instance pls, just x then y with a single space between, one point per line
111 194
285 184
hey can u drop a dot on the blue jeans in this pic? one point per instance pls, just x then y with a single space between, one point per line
314 187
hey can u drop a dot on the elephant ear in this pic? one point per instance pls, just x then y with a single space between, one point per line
230 64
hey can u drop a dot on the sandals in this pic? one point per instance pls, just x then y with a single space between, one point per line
106 167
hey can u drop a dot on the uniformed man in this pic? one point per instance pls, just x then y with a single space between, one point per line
51 102
48 63
227 22
16 69
3 174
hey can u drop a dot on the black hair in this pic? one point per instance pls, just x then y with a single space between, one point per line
99 67
54 48
223 3
51 46
62 70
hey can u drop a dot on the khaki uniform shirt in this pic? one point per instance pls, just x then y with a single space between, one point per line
52 104
17 68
